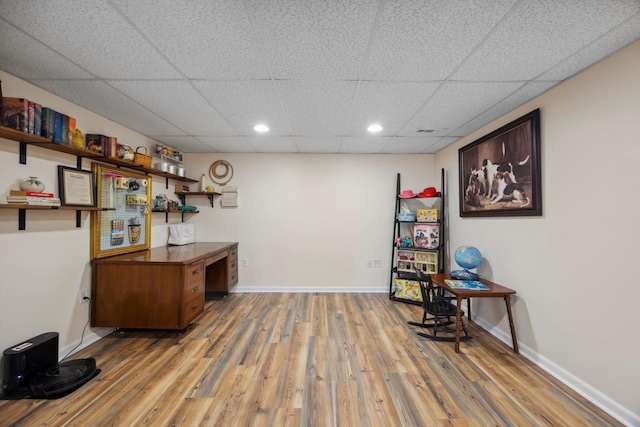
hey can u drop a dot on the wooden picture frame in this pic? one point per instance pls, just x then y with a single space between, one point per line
124 224
76 187
500 173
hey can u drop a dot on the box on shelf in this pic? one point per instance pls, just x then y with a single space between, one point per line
407 289
136 199
181 188
426 236
427 215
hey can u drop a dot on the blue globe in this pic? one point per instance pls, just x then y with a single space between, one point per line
466 257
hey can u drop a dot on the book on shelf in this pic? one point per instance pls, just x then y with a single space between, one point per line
31 199
48 123
64 132
29 193
15 113
475 285
57 127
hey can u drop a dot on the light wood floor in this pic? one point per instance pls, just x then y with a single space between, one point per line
307 360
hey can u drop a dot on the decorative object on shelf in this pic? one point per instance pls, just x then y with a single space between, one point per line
210 189
229 197
467 257
142 159
78 139
125 152
135 230
203 183
188 208
500 173
406 217
32 184
407 194
427 215
160 203
76 187
221 172
428 192
426 236
404 241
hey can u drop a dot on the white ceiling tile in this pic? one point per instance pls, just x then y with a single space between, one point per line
102 99
318 144
389 103
317 107
440 144
204 40
615 39
364 144
513 101
40 62
227 144
445 110
273 144
94 35
178 103
409 144
314 39
540 34
427 40
245 103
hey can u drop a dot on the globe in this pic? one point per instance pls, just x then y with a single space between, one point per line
467 257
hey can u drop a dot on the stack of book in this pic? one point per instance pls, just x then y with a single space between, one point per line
17 197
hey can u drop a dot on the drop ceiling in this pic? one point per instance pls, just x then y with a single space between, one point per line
197 75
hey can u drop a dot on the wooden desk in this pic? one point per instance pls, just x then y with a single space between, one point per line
160 288
495 291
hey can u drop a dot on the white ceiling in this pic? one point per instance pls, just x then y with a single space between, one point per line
198 74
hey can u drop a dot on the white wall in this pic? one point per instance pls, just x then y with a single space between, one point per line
575 267
310 222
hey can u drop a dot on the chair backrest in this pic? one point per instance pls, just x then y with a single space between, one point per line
432 295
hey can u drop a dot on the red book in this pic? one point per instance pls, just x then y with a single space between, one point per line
29 193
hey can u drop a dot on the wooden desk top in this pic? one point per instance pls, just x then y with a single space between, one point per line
171 254
495 290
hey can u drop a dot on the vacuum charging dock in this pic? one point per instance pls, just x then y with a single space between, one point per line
31 369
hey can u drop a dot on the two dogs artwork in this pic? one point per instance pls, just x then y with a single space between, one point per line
497 182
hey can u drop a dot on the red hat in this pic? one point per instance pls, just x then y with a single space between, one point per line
429 192
407 194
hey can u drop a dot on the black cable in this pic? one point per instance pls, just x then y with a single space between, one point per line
83 330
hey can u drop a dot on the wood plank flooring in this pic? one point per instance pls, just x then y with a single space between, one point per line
312 359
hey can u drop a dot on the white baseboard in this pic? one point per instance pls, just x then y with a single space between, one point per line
323 289
605 403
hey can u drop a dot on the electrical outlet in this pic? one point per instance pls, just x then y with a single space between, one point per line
84 296
368 263
376 263
245 262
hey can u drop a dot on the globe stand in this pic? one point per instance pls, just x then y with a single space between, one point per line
464 275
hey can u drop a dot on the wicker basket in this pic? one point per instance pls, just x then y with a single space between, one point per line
142 159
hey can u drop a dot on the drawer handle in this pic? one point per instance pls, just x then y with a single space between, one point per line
193 307
196 272
196 289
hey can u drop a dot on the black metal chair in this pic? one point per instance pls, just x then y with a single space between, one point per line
438 310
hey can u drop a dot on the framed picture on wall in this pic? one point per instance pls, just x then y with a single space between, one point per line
76 187
499 174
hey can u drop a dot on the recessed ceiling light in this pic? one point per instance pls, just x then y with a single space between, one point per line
374 128
261 128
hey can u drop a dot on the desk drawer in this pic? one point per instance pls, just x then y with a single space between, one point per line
192 309
194 273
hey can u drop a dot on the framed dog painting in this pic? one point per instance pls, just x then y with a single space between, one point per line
500 172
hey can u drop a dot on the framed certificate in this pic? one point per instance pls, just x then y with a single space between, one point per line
76 187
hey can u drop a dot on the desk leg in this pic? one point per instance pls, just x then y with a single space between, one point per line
458 321
507 300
